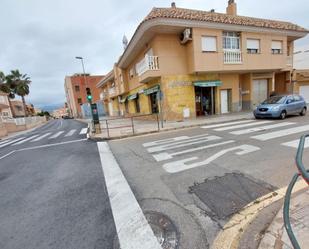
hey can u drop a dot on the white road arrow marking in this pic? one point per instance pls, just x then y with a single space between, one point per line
181 165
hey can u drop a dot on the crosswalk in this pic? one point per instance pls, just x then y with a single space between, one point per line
267 130
39 137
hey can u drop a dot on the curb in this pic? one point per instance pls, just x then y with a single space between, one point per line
156 131
232 231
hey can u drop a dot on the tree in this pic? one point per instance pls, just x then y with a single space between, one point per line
19 84
6 88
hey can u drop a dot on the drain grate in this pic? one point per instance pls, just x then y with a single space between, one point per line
228 194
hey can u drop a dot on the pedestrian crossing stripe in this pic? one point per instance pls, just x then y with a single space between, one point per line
242 125
261 128
83 131
4 141
281 133
41 137
227 124
11 142
56 135
295 143
70 133
25 140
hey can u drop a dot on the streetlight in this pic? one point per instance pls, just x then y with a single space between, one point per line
82 60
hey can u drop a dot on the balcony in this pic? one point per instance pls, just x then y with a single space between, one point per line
232 56
148 68
112 91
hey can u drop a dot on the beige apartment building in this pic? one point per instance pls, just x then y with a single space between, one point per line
190 63
5 110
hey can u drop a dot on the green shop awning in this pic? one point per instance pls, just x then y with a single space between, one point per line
123 100
132 96
152 90
208 83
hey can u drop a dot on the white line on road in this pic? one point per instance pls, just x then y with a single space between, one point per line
181 165
51 145
11 142
227 124
133 230
5 141
262 128
183 144
83 131
165 156
7 154
281 133
56 135
24 140
70 133
295 143
242 125
41 137
171 140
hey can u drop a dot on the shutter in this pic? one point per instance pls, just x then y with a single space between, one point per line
209 43
253 44
276 45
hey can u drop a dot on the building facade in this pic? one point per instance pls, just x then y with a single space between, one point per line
5 110
75 90
190 63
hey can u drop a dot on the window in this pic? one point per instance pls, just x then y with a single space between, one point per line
5 114
76 88
276 47
79 101
231 40
209 44
253 46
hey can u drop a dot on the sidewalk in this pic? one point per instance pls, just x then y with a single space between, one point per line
276 236
121 128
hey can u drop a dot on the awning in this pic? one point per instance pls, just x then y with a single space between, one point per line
152 90
208 83
123 100
132 96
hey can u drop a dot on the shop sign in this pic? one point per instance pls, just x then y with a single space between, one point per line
174 84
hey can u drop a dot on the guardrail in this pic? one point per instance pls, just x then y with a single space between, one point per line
130 123
305 175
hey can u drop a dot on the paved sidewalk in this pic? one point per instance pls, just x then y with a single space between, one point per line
276 236
120 128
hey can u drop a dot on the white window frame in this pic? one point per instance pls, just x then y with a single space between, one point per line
253 46
209 43
231 41
276 48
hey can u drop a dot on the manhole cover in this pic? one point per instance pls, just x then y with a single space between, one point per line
163 229
228 194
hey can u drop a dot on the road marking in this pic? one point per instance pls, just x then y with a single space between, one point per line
165 156
41 137
177 166
281 133
295 143
171 140
70 133
183 144
56 135
11 142
242 125
7 154
5 141
227 124
83 131
262 128
24 140
133 230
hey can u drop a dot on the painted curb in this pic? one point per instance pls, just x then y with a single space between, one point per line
229 237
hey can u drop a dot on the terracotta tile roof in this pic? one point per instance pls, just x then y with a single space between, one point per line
198 15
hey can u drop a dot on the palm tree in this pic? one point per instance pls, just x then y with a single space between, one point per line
19 83
6 88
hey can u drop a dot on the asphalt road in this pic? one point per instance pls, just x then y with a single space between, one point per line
52 190
199 177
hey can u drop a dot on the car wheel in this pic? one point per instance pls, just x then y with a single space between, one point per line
256 117
303 111
283 115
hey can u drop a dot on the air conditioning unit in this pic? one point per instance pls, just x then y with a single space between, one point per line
186 36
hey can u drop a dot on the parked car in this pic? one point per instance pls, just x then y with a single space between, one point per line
280 106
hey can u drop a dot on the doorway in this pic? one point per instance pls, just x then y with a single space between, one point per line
260 91
204 101
154 102
225 96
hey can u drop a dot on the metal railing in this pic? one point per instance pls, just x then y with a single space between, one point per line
130 124
232 56
305 175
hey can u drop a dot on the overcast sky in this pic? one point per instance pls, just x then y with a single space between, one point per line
42 37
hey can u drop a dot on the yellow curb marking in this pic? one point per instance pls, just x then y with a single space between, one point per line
229 237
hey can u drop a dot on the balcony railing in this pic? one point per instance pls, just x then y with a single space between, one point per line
232 57
147 63
112 91
289 60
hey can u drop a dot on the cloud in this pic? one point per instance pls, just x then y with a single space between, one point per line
42 38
